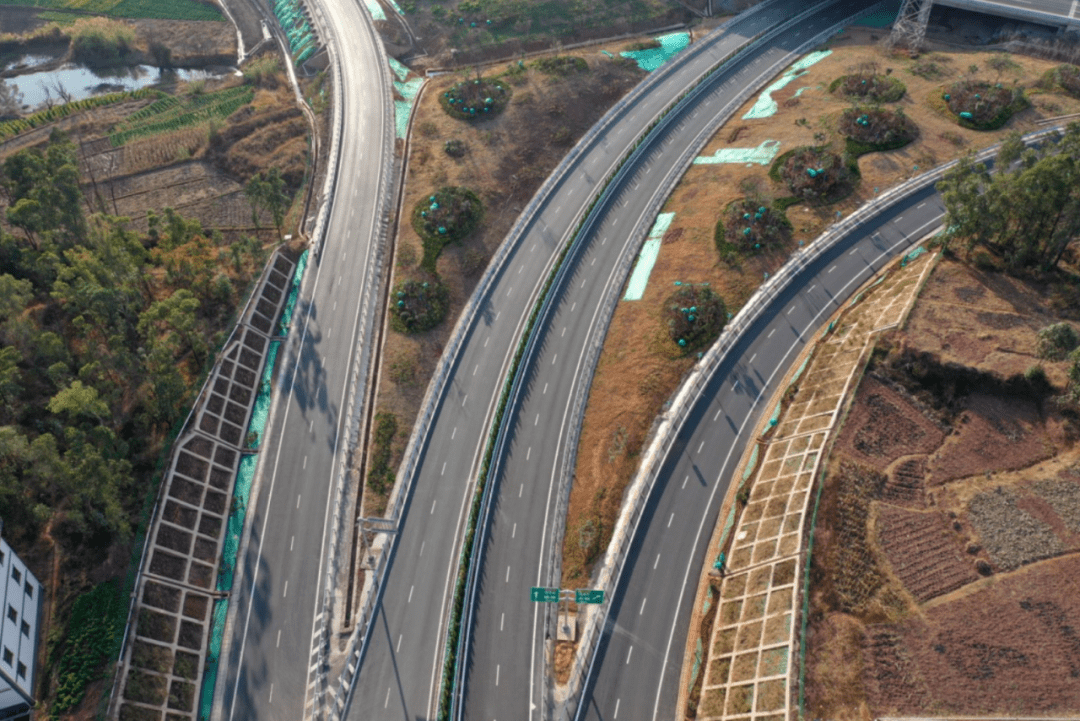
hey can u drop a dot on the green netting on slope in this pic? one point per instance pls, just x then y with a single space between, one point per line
290 302
799 372
751 464
217 630
399 69
262 401
635 287
245 474
403 108
912 256
774 418
663 222
762 155
375 9
882 18
766 107
696 668
649 60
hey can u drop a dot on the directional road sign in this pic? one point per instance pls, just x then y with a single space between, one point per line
539 594
586 595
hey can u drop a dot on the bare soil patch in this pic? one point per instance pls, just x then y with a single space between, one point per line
883 425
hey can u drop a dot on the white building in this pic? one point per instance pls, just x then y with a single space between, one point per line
20 596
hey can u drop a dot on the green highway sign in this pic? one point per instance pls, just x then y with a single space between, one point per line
586 595
539 594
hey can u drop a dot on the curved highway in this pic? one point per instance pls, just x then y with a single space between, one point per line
401 660
271 627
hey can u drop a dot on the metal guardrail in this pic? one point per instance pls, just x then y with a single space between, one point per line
652 460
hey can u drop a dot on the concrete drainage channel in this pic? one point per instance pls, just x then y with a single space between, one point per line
178 610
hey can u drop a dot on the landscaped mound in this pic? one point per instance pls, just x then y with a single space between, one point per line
875 128
449 215
749 226
695 315
1068 77
815 174
979 105
476 99
416 306
562 65
869 86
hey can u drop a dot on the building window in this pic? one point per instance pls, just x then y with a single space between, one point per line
8 655
29 588
22 670
12 614
26 629
16 575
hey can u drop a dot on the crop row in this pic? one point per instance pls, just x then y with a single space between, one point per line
171 10
222 109
172 106
11 128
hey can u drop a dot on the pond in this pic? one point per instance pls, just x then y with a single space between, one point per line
82 82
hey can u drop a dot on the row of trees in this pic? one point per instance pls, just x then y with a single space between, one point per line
103 332
1028 212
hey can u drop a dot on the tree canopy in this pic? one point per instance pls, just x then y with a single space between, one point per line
1028 211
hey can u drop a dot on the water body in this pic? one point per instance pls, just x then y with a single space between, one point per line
82 82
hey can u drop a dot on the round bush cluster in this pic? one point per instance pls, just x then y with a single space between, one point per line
416 306
476 99
1068 77
447 215
695 316
876 128
982 106
455 148
748 226
869 86
816 175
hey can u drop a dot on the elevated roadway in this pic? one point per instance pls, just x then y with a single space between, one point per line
401 661
1057 13
267 654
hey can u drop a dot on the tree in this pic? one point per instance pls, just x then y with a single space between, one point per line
267 191
175 316
49 183
78 400
10 379
11 101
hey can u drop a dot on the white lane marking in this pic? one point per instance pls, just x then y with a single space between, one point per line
537 421
921 204
387 701
410 594
616 714
422 544
335 305
509 291
700 446
443 472
603 241
528 453
717 414
657 561
852 251
433 507
297 500
593 261
519 273
291 542
642 607
486 341
514 531
286 591
271 694
563 334
545 388
454 433
278 638
397 648
554 359
497 667
685 480
753 357
323 362
507 574
628 654
521 490
502 619
464 399
832 269
305 462
790 309
532 248
734 385
771 332
670 520
811 287
311 425
346 253
498 314
476 369
573 306
583 282
897 219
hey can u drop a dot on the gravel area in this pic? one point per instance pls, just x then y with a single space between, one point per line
1064 497
1010 535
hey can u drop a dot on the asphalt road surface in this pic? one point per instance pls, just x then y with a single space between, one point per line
507 635
1055 11
638 665
267 653
401 663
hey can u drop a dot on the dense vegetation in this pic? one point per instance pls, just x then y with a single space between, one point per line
448 215
476 99
868 85
416 306
171 10
1028 213
695 316
172 112
104 334
749 226
874 128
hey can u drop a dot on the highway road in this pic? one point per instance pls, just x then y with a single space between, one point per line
507 633
638 664
269 632
1054 12
402 659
